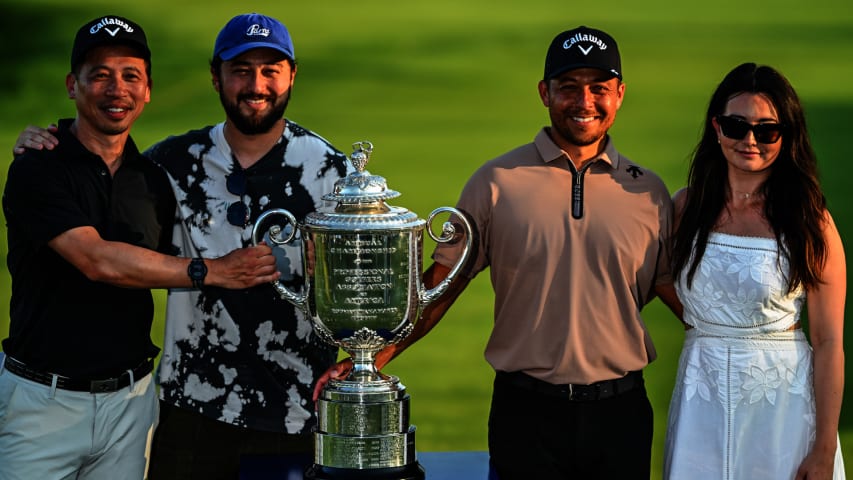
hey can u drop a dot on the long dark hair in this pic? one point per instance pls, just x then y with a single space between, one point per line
793 202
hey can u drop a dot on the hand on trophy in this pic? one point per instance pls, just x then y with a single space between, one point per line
337 371
310 259
243 268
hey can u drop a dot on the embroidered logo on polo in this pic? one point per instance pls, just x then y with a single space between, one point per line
257 31
584 37
118 26
634 171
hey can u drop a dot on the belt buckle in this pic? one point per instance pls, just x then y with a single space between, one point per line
571 392
103 386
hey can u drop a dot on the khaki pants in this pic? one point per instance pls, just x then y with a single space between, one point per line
49 434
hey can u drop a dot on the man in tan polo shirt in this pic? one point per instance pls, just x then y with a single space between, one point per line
575 236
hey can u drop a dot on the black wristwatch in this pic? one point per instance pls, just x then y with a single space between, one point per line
197 270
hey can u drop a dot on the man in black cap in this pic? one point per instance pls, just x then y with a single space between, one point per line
238 367
575 236
86 221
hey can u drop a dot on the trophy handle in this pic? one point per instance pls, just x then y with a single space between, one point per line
448 234
276 237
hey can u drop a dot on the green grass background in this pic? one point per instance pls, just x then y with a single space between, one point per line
440 87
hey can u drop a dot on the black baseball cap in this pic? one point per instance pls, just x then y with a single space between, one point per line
582 47
108 30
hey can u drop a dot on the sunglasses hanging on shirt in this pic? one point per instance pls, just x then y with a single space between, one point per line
238 212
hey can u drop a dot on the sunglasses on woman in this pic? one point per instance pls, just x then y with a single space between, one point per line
736 129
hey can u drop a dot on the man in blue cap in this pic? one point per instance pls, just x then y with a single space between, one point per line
238 366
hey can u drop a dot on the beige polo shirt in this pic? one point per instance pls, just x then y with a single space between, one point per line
568 292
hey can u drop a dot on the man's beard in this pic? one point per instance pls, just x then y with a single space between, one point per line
257 124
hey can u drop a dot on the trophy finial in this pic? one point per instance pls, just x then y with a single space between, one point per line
361 154
360 188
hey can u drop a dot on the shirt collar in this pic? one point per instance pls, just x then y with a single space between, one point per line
549 151
129 154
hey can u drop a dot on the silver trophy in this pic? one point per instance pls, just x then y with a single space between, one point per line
363 291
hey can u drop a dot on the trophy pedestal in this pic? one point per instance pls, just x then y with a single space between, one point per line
363 432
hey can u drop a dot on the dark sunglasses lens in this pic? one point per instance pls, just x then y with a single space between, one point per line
733 128
238 214
767 133
235 182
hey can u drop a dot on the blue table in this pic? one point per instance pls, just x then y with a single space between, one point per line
438 466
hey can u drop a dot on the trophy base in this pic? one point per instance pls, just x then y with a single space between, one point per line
412 471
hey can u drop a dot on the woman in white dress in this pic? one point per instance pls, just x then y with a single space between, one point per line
753 244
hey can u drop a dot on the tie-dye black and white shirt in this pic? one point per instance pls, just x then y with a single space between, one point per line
244 357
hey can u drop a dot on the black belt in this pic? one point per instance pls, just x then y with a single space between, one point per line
79 385
577 393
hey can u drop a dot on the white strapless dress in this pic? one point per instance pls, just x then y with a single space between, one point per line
743 404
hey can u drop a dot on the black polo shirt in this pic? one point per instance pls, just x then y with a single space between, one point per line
62 322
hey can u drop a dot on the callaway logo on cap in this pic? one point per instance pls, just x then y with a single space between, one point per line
252 30
108 30
582 47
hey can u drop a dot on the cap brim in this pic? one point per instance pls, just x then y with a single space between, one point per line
142 50
563 70
231 53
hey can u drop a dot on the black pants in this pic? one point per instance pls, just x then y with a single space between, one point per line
190 446
533 435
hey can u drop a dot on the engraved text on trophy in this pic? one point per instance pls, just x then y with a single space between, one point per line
362 280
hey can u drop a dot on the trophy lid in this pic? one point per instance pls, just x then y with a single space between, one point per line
360 199
360 187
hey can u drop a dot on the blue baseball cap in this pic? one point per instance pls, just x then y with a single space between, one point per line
252 30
